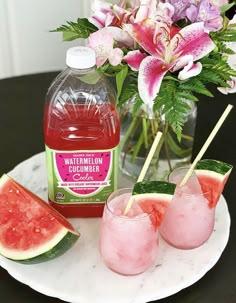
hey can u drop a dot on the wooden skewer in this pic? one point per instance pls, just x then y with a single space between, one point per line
207 143
145 166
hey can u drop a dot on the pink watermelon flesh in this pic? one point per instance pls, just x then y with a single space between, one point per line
148 205
152 198
26 221
212 176
212 186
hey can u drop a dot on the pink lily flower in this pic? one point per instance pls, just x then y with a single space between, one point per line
147 9
189 70
134 59
102 43
156 10
219 3
169 50
112 16
109 14
229 90
102 15
232 63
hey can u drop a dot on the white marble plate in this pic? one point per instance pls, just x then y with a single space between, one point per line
79 276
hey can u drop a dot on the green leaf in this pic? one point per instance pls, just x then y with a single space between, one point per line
158 103
195 85
226 7
227 50
167 107
74 30
170 102
127 93
91 78
69 36
232 25
186 96
137 104
129 90
102 69
120 78
171 78
225 35
228 38
232 73
211 76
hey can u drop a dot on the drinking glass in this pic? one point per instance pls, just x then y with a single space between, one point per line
189 221
128 243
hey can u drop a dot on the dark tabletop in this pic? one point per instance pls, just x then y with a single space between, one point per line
21 111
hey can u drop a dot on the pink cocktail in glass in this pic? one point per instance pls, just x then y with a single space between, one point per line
189 221
128 243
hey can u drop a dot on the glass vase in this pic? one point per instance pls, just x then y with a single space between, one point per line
137 134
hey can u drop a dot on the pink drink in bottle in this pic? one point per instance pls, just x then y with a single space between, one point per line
82 131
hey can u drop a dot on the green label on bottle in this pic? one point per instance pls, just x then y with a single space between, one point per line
83 176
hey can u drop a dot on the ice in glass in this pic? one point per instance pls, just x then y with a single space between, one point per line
189 221
128 243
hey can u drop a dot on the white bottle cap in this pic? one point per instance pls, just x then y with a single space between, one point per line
80 57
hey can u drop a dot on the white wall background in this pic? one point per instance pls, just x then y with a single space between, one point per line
26 45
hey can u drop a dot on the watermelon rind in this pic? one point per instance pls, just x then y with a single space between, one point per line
153 196
212 176
215 166
148 187
63 246
62 240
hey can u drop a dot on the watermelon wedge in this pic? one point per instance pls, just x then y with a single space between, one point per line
154 195
30 230
212 176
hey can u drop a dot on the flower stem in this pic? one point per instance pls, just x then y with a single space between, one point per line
139 144
166 146
128 133
187 137
145 137
177 150
155 160
154 126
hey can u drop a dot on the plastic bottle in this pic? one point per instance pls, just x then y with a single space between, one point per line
82 132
